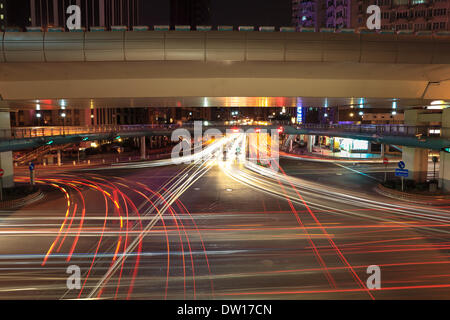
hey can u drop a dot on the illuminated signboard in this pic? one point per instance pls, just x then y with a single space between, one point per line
351 144
299 111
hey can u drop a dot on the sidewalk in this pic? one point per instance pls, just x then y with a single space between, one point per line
99 160
326 155
437 200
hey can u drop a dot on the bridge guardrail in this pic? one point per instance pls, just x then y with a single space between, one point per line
394 130
23 133
223 46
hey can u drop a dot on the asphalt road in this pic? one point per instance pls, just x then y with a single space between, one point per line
219 230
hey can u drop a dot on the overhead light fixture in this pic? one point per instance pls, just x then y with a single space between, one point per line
438 105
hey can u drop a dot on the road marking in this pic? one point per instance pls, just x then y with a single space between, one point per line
359 172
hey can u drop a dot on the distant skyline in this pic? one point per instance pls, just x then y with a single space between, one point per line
228 12
223 12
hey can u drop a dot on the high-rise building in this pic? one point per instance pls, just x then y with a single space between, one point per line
94 13
417 15
14 13
321 13
338 14
190 12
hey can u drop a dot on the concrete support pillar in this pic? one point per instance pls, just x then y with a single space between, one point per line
444 161
383 150
444 171
6 158
58 156
416 160
311 140
143 151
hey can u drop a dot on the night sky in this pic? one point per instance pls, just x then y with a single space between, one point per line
228 12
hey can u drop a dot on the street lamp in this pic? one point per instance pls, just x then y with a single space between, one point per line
63 116
38 115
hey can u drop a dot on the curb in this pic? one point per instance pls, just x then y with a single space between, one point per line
17 203
334 160
414 198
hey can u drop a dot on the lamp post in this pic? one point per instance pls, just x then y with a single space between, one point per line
63 116
39 116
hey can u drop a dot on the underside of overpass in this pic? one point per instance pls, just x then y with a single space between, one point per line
22 83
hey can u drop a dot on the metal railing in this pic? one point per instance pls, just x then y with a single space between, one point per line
33 132
391 130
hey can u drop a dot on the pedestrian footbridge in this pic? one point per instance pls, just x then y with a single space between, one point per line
427 137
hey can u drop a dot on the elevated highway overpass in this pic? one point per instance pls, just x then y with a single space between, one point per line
158 64
173 65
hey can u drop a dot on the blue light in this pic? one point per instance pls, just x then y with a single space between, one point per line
299 111
394 104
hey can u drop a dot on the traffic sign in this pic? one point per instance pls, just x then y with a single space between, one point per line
31 167
401 165
2 172
401 172
385 161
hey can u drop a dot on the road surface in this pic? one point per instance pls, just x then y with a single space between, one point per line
222 230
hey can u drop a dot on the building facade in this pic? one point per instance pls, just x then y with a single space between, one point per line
321 14
94 13
14 14
416 15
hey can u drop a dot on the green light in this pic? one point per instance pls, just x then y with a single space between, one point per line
50 142
85 139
